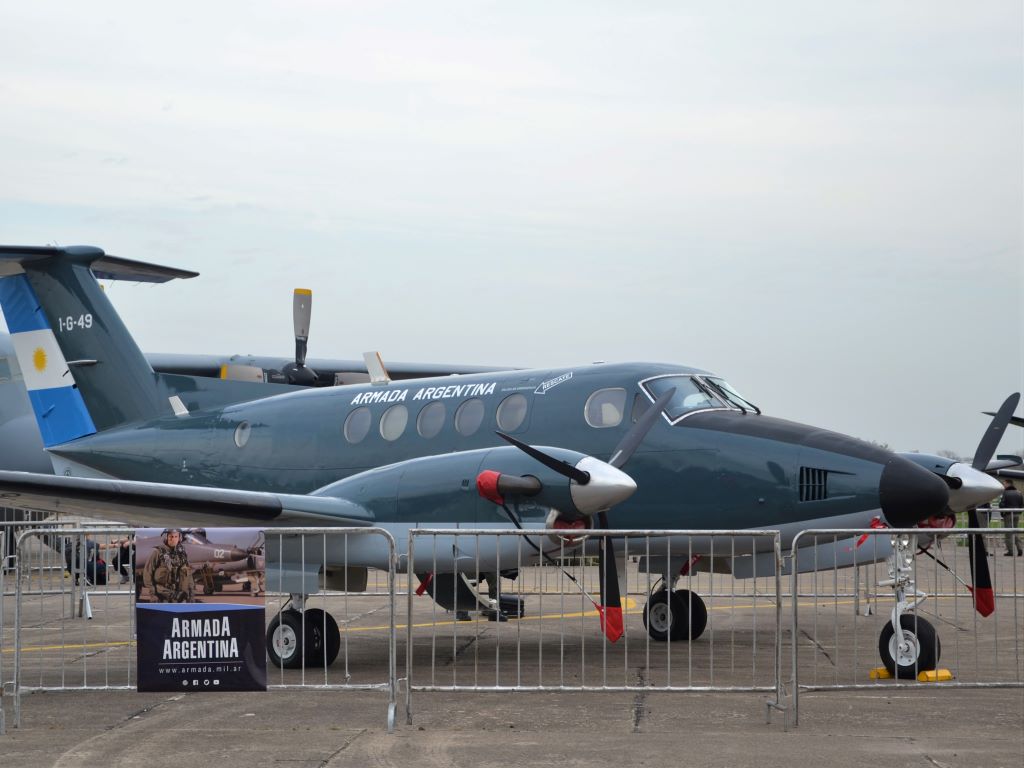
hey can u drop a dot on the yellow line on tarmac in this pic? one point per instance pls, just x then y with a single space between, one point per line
630 609
76 646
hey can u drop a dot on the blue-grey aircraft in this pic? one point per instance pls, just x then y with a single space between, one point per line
536 449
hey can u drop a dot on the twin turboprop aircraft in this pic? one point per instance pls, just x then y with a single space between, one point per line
682 450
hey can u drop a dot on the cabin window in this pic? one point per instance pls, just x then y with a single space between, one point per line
242 432
605 407
469 417
431 419
357 425
392 423
512 412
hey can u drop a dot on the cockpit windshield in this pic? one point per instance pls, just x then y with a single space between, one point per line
690 395
696 393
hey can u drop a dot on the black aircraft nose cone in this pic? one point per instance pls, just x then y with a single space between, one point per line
910 493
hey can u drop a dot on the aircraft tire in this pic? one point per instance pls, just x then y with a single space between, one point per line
658 616
925 648
284 638
689 615
323 639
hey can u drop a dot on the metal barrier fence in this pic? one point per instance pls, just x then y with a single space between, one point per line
839 640
729 651
557 644
332 563
81 634
50 571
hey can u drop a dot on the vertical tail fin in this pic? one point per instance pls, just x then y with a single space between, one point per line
83 370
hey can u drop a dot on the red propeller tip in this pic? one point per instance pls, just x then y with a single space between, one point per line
611 621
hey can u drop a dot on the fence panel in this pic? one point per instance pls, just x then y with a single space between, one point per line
557 644
76 630
838 623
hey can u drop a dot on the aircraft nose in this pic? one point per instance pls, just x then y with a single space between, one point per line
910 493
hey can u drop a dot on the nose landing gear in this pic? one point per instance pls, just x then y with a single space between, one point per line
908 644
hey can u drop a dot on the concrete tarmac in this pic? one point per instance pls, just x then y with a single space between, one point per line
914 728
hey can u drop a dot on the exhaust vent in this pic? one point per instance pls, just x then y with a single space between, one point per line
813 484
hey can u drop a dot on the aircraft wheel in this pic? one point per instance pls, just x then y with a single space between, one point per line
323 639
921 652
658 616
690 615
284 636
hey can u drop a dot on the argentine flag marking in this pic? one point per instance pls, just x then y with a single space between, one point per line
56 402
41 361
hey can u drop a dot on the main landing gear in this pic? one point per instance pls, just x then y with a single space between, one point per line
300 636
676 615
907 644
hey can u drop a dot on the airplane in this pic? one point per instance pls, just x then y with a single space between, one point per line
214 565
544 449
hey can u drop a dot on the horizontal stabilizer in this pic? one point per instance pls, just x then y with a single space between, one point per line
103 266
160 504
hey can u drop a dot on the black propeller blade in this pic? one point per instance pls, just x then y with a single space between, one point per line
610 607
1015 420
624 450
561 467
990 440
984 600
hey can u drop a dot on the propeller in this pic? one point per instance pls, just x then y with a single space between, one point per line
984 599
994 433
302 309
609 604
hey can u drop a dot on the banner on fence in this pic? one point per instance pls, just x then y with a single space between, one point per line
200 614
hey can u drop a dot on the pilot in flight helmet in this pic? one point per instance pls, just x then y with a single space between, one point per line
168 531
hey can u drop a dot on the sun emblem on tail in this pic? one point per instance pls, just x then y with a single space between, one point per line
39 359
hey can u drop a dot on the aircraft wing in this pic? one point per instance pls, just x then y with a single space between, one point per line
326 369
157 504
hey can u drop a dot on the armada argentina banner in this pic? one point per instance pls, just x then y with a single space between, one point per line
200 614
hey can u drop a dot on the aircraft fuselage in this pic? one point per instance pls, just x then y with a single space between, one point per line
717 467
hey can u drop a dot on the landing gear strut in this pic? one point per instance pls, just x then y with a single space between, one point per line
679 615
907 644
300 636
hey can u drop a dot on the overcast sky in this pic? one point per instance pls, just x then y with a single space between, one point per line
820 201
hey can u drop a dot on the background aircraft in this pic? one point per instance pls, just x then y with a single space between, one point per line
157 448
228 560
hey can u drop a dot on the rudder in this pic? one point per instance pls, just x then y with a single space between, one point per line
83 370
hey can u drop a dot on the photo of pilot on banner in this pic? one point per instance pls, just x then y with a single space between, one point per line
200 612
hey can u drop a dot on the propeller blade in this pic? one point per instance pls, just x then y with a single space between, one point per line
984 599
302 309
994 433
624 450
610 607
561 467
1015 420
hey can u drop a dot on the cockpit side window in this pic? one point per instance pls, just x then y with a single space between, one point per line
690 395
731 394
